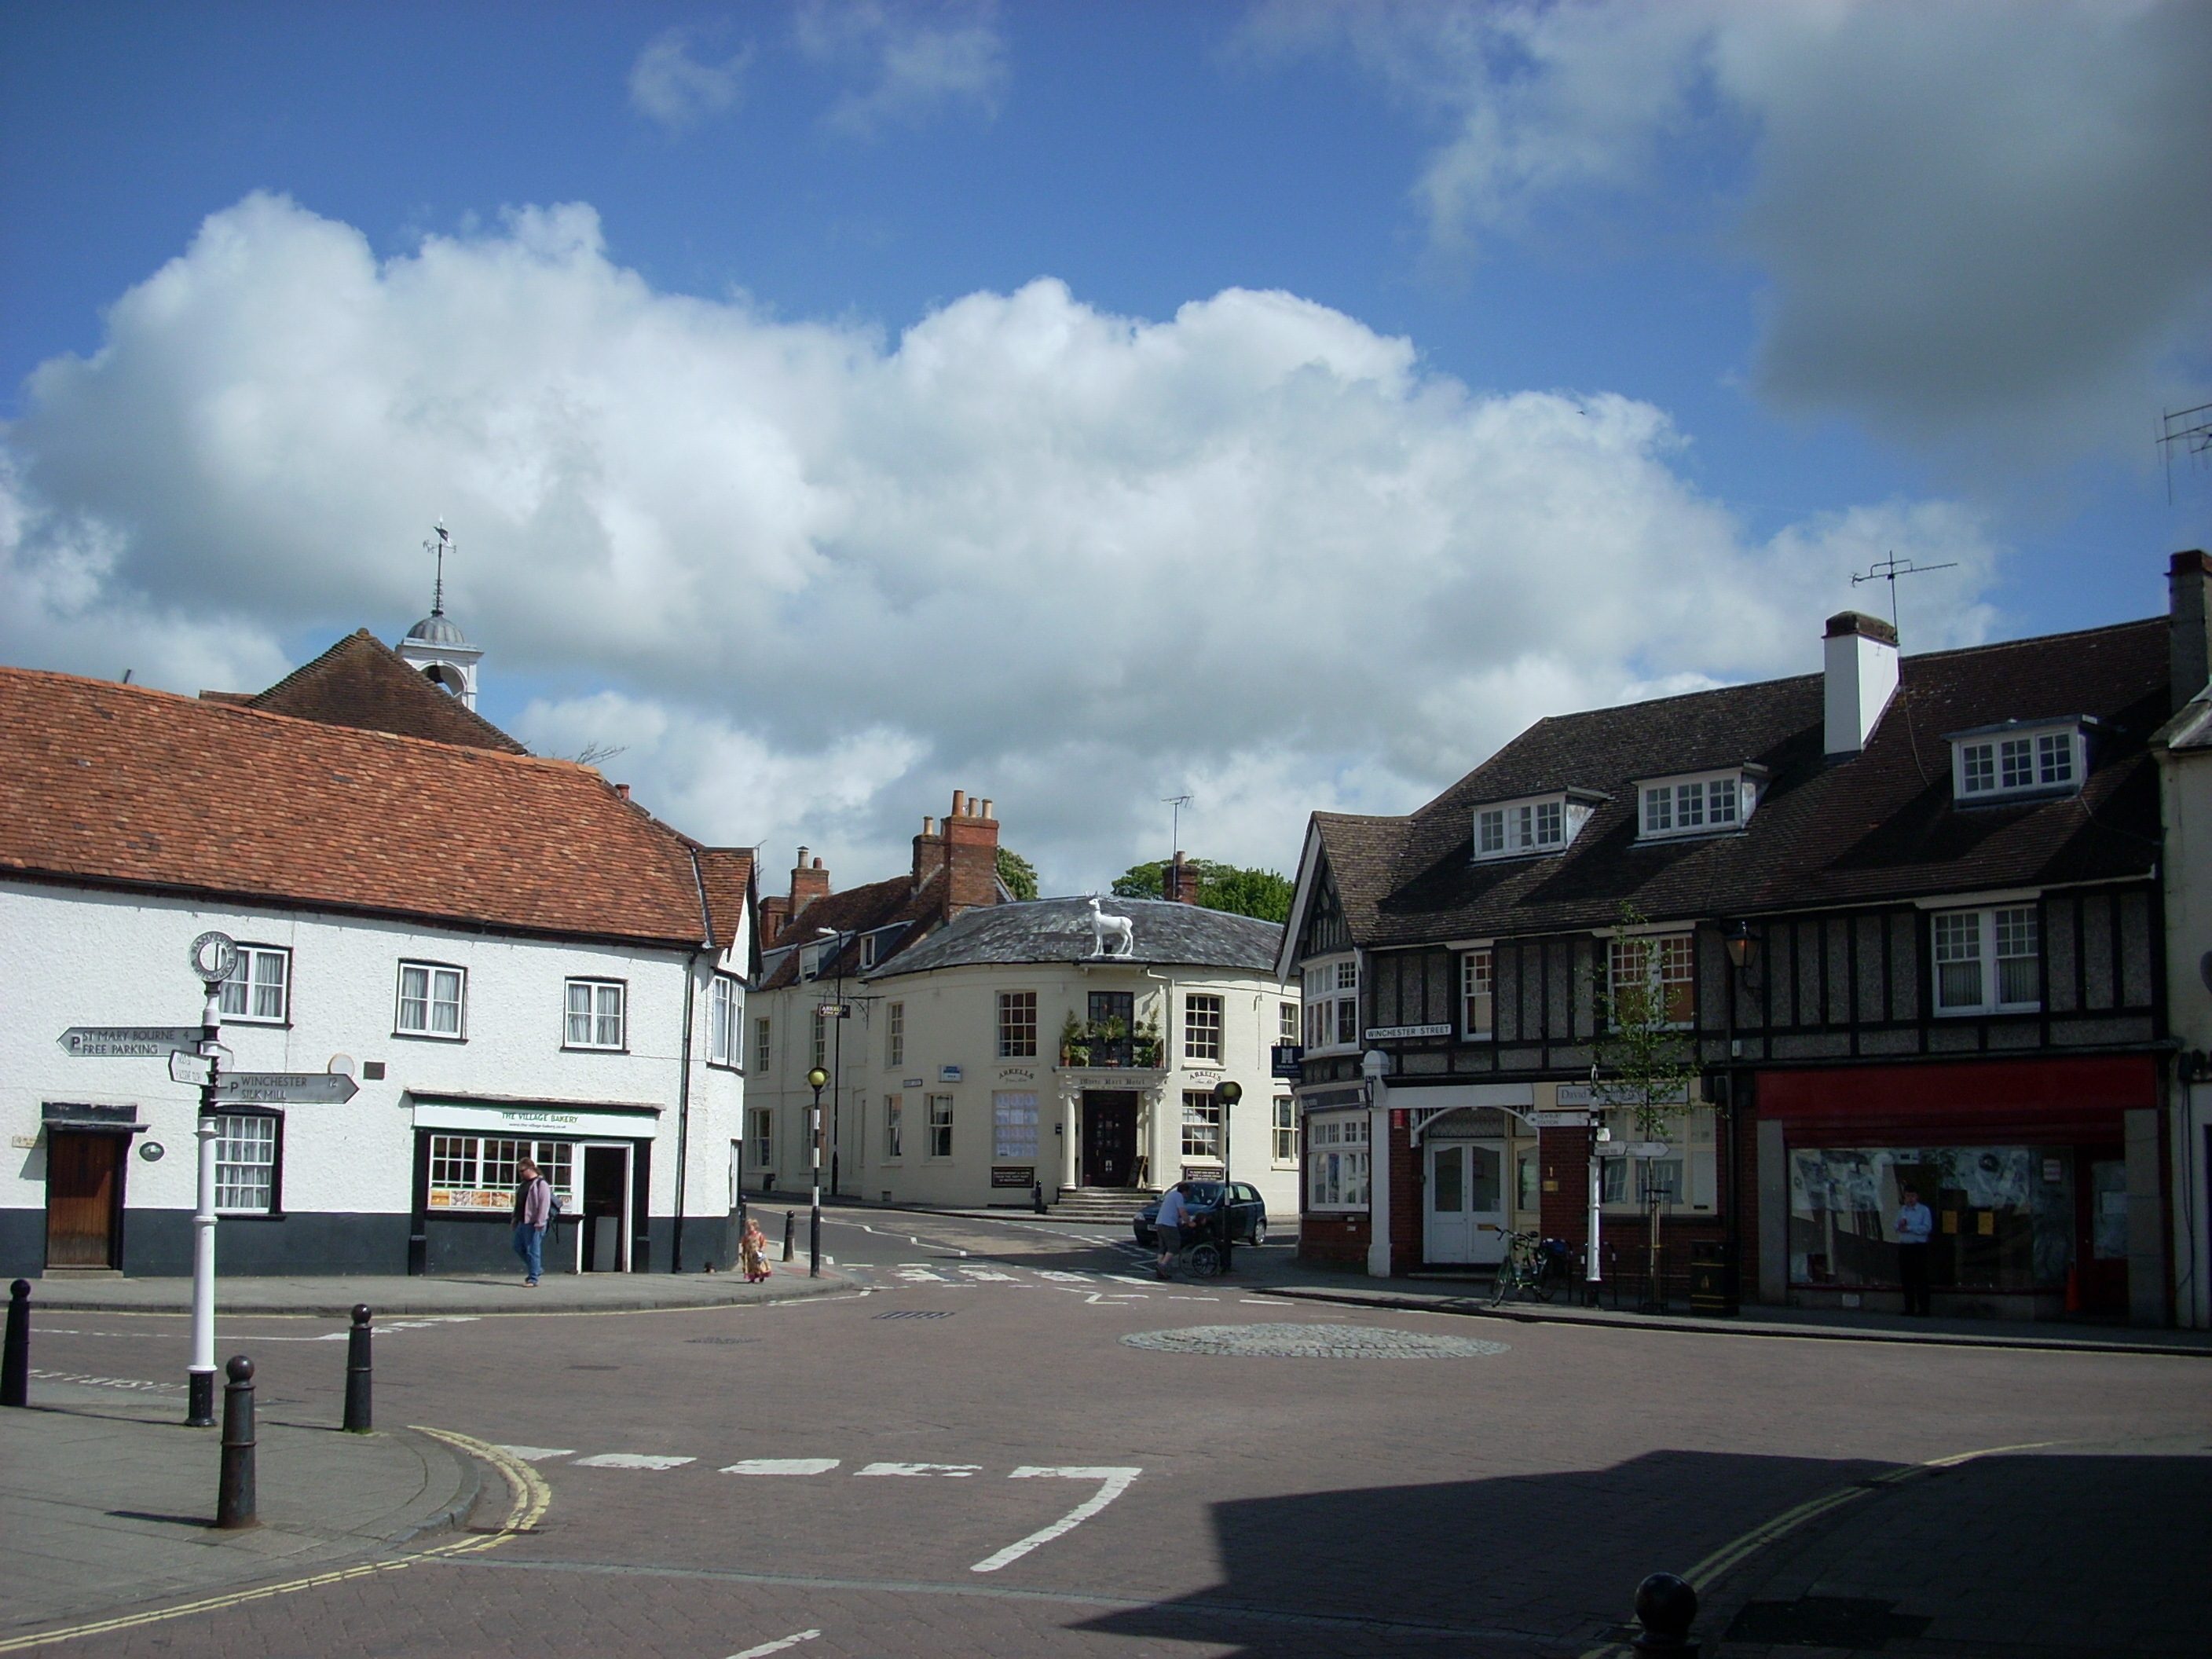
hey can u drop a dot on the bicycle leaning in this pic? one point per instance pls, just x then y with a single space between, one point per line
1536 1267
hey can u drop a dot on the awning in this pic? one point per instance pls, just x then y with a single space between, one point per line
2068 1099
540 1120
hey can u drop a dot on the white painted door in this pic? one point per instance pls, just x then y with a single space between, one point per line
1464 1203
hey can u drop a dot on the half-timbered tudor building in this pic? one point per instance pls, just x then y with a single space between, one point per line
1941 874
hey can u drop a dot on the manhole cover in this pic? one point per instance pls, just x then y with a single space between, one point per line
1315 1342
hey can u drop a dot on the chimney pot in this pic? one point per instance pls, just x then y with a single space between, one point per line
959 804
623 790
987 809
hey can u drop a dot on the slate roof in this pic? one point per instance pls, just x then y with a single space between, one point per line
362 682
1880 825
120 785
896 905
1058 930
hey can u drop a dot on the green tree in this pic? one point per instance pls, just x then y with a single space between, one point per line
1016 874
1240 891
1644 1063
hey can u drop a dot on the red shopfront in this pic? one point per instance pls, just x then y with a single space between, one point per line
2034 1168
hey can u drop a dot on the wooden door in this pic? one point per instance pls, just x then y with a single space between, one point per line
1109 1139
84 1198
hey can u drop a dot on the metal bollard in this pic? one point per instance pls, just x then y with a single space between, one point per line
1036 1196
235 1501
15 1367
790 1232
358 1412
1666 1607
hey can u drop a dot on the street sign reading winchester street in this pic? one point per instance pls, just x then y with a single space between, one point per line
129 1041
284 1088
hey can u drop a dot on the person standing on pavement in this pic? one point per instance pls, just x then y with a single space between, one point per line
1167 1227
533 1208
1915 1225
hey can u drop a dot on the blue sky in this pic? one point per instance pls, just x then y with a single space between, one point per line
1086 403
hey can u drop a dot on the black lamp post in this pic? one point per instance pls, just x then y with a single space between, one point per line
815 1080
1742 941
1226 1094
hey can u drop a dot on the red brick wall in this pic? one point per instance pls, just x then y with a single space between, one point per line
1332 1241
1405 1168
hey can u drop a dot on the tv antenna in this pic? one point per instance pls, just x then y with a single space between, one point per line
1888 569
440 546
1175 804
2188 430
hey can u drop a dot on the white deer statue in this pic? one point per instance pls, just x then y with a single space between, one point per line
1104 927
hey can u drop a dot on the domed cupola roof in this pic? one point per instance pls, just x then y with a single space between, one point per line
437 629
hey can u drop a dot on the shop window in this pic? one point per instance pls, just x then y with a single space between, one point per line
1014 1126
245 1162
1685 1180
1336 1162
2004 1215
260 988
1987 961
477 1174
433 1001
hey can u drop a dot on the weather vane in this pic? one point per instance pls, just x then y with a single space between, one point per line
439 547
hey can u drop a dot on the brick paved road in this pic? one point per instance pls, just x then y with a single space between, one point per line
726 1479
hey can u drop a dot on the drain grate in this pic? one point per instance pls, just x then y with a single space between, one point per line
917 1313
1825 1621
1314 1342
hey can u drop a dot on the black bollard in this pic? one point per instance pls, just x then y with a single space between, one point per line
15 1368
357 1413
1036 1196
1666 1607
235 1500
790 1232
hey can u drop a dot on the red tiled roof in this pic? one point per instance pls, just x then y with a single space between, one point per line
117 784
361 681
727 874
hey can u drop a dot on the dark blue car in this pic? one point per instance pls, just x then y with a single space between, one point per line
1248 1212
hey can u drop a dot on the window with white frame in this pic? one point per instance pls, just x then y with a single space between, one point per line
821 1040
1336 1161
1201 1125
1331 1002
1517 828
894 1126
1014 1125
432 1000
1201 1027
259 989
1286 1023
1684 1180
1989 765
595 1014
867 949
1987 961
1476 994
764 1032
246 1163
1701 805
1018 1024
1286 1130
895 1034
1653 974
762 1140
478 1174
724 1022
941 1126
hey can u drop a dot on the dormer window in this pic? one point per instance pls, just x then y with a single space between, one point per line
1997 763
1539 823
1697 804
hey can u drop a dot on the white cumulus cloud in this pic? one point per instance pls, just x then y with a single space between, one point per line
813 576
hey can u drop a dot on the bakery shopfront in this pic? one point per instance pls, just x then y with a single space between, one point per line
597 1158
2045 1177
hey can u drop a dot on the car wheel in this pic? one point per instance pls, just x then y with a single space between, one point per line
1260 1231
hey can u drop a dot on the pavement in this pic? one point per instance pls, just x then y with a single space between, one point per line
107 1502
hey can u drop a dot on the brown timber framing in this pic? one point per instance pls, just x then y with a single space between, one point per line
1842 983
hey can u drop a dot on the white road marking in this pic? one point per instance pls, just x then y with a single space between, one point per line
104 1381
1193 1298
947 1471
922 1276
1261 1302
537 1453
767 1648
991 1273
1125 1279
1113 1298
782 1466
1059 1278
633 1461
1116 1482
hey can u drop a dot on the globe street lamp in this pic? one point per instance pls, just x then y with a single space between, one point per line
815 1080
1226 1094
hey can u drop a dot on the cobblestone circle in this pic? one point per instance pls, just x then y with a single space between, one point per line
1314 1342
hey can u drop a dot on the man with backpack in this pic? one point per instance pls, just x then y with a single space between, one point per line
534 1209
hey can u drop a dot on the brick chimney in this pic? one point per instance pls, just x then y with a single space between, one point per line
1178 881
775 917
971 855
1860 658
928 852
809 882
2189 626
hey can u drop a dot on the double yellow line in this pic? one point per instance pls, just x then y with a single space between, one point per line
1732 1555
531 1499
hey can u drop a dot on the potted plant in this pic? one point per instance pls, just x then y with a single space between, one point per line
1074 1043
1145 1050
